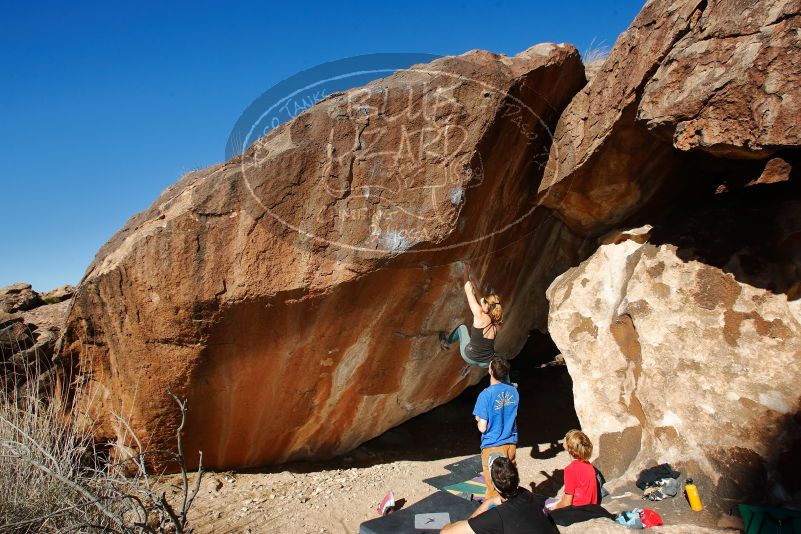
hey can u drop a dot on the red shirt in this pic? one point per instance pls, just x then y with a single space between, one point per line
580 482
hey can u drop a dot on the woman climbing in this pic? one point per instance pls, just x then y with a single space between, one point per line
477 345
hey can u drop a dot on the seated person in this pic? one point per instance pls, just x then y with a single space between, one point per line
581 500
514 511
581 486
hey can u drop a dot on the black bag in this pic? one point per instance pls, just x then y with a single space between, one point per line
648 477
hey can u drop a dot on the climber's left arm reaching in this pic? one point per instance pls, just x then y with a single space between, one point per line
470 293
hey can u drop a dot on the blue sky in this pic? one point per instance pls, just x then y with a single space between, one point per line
105 104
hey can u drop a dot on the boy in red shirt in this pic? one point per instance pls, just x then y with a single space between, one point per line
581 486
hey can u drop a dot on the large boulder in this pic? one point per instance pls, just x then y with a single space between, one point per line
295 294
683 341
688 82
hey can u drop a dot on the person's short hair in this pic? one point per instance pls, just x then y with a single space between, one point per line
505 477
500 368
578 445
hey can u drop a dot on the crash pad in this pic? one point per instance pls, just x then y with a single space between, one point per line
423 516
474 489
764 519
466 469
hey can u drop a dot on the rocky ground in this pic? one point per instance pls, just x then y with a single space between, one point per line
336 496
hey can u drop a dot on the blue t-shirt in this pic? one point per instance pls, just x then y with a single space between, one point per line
497 405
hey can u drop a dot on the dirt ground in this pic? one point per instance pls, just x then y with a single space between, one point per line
336 496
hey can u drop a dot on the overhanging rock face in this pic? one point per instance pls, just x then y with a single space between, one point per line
294 295
688 80
730 86
604 165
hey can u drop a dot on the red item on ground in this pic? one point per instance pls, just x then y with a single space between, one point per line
387 505
650 518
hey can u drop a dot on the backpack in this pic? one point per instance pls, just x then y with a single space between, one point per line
600 481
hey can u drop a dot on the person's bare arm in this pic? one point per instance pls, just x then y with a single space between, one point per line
486 505
481 424
475 307
564 502
460 527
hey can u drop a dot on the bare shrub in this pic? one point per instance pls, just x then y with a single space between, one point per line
55 478
595 53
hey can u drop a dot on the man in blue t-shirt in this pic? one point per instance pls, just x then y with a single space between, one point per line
496 415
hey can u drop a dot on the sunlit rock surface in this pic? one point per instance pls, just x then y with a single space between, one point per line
684 345
294 295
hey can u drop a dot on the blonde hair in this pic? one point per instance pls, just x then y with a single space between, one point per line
495 311
578 445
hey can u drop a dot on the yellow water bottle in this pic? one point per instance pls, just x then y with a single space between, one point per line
692 495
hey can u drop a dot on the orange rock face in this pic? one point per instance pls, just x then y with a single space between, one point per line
603 164
294 295
690 82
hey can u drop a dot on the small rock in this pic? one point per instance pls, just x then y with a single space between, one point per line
8 318
59 294
731 522
19 297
